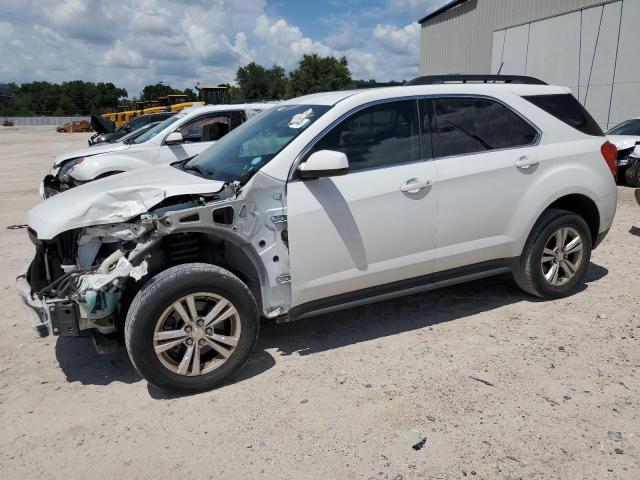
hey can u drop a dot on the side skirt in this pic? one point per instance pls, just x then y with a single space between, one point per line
400 288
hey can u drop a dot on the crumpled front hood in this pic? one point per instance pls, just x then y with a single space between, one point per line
114 199
86 152
623 141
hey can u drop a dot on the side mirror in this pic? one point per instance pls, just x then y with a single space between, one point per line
174 138
324 163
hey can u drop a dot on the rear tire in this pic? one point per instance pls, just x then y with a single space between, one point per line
632 175
172 308
549 266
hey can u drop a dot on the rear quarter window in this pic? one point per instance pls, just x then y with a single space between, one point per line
566 108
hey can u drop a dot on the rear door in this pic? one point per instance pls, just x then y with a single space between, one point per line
375 226
485 160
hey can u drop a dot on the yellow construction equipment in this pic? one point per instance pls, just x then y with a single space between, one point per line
170 103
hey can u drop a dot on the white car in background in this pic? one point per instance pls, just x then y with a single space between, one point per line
177 138
626 137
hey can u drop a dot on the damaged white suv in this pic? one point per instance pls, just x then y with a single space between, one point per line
324 202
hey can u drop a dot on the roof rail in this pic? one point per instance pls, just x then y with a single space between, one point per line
439 79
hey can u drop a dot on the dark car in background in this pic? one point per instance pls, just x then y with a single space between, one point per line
106 131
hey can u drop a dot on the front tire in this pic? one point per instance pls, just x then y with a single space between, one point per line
191 327
556 255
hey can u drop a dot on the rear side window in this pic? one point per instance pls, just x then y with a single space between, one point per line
523 133
377 136
566 108
469 125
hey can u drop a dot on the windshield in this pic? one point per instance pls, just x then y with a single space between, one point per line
629 127
149 134
248 148
136 133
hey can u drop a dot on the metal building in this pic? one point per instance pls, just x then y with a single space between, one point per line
591 46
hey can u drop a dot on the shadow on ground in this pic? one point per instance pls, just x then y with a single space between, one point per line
378 320
635 231
80 362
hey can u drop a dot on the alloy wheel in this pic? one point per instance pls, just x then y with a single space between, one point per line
197 333
562 256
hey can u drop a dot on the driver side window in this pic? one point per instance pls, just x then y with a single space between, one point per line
207 128
378 136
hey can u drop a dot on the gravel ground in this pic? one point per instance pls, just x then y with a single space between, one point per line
500 385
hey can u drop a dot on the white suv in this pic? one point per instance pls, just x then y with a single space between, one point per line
177 138
322 203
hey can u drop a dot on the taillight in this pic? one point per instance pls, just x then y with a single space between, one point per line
609 153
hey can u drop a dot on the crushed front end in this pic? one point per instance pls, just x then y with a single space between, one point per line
74 283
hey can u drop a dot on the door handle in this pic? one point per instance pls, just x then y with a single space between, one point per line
414 185
526 162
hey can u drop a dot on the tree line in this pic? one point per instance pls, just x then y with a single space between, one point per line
253 82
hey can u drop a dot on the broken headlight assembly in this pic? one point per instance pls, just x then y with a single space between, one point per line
67 168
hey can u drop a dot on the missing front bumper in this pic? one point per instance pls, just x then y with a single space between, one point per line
57 317
35 308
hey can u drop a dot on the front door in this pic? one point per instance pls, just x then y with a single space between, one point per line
374 226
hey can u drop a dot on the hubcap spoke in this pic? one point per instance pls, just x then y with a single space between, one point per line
191 305
561 238
218 307
570 266
195 370
231 311
186 359
167 346
218 348
552 274
573 246
177 306
231 341
169 334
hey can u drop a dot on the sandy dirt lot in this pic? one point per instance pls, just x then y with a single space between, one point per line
344 395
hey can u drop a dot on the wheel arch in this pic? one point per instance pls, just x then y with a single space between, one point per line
583 206
184 247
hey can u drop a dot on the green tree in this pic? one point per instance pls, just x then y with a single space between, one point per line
152 92
192 96
69 98
256 82
319 74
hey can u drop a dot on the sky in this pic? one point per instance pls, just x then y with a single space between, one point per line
133 43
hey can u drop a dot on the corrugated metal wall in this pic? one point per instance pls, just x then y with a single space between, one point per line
588 45
460 40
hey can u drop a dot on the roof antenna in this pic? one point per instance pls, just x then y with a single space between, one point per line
500 69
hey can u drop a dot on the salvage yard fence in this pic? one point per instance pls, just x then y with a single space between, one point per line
38 121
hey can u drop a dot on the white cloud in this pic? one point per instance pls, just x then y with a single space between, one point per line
135 42
124 57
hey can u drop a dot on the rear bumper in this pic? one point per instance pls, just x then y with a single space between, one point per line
36 309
